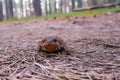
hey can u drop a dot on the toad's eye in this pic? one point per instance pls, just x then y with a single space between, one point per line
43 41
55 40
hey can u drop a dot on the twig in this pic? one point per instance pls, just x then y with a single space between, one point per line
90 78
8 62
3 75
48 63
111 45
15 71
14 63
45 67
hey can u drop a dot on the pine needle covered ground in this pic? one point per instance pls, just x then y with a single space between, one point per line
94 42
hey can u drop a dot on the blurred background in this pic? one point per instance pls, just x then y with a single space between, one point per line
24 8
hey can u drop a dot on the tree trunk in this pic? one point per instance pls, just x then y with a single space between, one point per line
65 6
55 9
1 11
50 7
9 8
73 5
29 4
37 7
89 3
61 8
79 3
21 7
94 2
46 9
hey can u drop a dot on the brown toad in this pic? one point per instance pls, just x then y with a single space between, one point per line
52 44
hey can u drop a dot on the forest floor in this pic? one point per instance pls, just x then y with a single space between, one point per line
94 42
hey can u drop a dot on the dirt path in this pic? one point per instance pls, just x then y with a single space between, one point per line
94 40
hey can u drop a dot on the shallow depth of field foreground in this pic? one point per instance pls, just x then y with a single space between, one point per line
93 41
